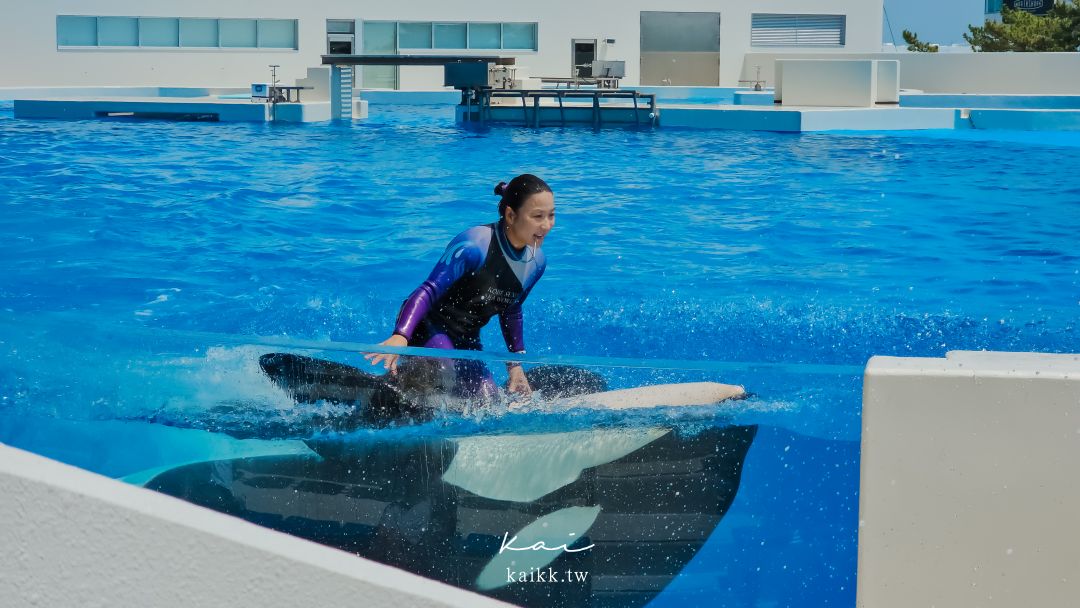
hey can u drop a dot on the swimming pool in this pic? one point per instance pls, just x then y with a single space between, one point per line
142 257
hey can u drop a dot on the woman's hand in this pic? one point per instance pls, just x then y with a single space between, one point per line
388 360
518 382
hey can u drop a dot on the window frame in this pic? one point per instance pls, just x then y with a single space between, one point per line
180 46
797 28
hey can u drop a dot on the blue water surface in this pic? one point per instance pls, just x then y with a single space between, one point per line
778 261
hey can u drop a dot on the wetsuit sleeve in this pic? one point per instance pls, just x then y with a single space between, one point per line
512 322
462 256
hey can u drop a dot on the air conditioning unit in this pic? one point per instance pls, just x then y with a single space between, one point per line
608 69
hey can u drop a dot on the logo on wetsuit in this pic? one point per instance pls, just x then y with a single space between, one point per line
502 296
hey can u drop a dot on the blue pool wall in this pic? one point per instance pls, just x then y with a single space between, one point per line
973 101
12 93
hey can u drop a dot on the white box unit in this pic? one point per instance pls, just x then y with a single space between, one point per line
608 69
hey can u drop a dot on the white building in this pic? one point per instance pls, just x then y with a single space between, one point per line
230 44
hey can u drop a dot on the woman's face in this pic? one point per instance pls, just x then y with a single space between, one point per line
533 221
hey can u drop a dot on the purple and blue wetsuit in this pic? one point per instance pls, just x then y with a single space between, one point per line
479 276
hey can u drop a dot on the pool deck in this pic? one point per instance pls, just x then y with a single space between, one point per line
795 119
755 111
776 118
537 112
750 112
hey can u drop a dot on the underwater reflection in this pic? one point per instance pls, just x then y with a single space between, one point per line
584 518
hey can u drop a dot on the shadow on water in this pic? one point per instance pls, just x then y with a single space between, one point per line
584 518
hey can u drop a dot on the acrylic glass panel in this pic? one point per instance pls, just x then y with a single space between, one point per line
641 477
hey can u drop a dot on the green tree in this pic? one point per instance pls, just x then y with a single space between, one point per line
1058 30
914 44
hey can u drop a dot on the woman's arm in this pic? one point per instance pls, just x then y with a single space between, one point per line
512 323
462 255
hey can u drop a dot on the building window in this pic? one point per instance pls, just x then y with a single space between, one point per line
277 33
993 6
379 38
199 33
238 33
451 36
159 32
175 32
456 36
798 30
76 31
118 31
414 35
519 36
485 35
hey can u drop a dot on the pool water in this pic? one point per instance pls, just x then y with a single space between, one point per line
145 263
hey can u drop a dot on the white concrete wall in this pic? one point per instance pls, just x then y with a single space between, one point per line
73 538
836 82
1031 73
832 82
28 37
28 45
888 81
969 492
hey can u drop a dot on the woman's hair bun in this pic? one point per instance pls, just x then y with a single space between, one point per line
518 190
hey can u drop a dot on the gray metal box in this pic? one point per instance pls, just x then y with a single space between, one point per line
608 69
465 75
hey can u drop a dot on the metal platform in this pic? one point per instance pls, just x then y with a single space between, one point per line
347 60
342 78
601 107
603 82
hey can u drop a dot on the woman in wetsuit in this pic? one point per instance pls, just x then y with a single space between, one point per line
485 271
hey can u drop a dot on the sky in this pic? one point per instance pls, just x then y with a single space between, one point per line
936 21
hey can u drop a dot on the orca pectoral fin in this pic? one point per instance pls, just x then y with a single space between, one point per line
307 379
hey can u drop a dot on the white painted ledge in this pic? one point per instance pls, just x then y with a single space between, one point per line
969 491
74 538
